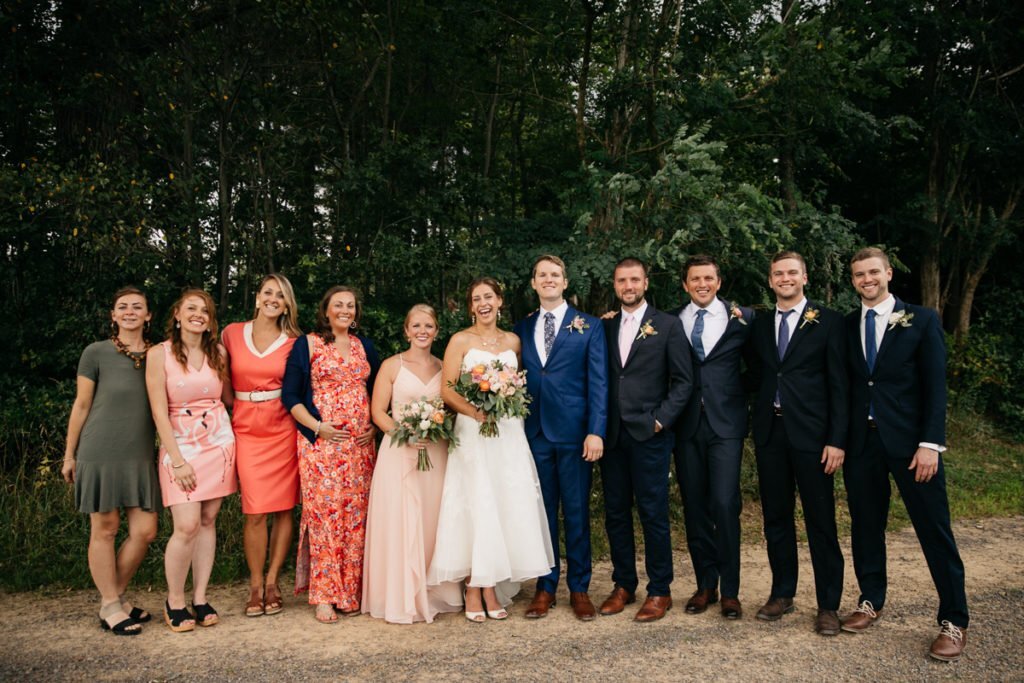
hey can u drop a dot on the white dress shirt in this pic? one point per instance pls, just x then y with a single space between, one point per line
883 312
792 321
715 322
538 329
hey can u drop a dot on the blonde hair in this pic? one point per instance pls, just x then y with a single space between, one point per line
426 309
287 322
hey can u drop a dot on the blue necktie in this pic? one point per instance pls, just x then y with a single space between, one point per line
698 330
549 333
870 344
783 344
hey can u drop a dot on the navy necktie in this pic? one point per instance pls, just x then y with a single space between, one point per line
549 333
698 330
783 344
870 343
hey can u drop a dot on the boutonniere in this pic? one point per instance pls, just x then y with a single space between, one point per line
810 316
647 330
578 324
737 313
901 318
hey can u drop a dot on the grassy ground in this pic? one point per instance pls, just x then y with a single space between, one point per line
43 540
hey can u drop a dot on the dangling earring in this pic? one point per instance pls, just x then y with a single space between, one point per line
354 325
499 314
473 318
113 327
177 324
145 326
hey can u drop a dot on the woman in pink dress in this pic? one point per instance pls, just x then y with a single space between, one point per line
326 387
404 502
265 435
186 377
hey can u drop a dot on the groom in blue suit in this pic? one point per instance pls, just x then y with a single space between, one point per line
566 362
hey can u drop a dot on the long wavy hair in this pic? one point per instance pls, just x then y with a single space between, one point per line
287 322
323 323
209 340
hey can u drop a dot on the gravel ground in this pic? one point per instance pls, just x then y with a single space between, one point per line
56 637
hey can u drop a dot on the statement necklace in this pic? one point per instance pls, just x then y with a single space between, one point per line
137 357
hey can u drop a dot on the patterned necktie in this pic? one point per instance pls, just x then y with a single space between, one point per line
698 330
783 345
625 338
870 342
549 333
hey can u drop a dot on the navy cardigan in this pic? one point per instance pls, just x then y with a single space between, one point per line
297 387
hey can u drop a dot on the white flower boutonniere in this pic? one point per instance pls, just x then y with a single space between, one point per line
901 318
737 313
647 330
578 324
811 315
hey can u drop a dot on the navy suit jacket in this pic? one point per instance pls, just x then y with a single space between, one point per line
570 393
717 381
655 382
907 386
811 380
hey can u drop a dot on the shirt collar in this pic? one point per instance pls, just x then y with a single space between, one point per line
558 311
882 310
638 314
714 309
796 309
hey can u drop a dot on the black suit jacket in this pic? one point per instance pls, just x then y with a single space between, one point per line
811 380
656 381
717 381
907 386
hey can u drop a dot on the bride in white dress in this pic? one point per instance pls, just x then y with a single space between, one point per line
492 529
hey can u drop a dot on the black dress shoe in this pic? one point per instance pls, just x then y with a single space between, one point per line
775 608
700 600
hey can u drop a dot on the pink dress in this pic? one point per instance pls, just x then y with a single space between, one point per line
402 522
202 431
268 469
335 480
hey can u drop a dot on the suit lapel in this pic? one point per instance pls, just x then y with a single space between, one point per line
529 343
648 315
562 332
800 330
890 334
731 327
613 338
855 325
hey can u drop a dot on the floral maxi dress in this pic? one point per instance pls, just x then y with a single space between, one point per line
335 480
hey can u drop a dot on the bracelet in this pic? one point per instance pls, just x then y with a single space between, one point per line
183 463
317 430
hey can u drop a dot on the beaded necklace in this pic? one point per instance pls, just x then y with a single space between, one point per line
137 357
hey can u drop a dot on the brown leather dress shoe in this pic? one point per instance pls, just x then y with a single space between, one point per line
731 608
655 607
949 644
542 602
861 618
827 623
616 602
700 600
775 608
582 607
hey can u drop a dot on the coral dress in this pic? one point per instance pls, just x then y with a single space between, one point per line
202 431
268 470
402 522
335 480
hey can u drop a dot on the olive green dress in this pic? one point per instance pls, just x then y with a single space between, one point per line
117 449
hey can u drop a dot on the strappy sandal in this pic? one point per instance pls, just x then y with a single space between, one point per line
178 620
205 614
125 627
325 614
254 608
136 613
272 600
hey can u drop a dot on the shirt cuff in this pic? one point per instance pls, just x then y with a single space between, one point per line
933 446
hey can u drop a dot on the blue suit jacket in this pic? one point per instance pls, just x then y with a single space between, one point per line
907 387
717 382
570 393
297 388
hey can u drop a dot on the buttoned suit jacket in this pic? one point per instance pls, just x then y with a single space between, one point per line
570 392
811 380
656 381
907 386
717 380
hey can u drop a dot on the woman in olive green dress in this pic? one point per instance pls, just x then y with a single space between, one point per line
110 458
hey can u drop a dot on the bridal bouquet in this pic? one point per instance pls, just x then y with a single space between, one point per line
420 421
496 389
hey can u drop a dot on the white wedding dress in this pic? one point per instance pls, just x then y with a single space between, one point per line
492 526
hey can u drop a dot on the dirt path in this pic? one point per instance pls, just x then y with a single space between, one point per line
56 637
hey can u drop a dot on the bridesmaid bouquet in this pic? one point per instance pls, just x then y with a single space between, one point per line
496 389
424 420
